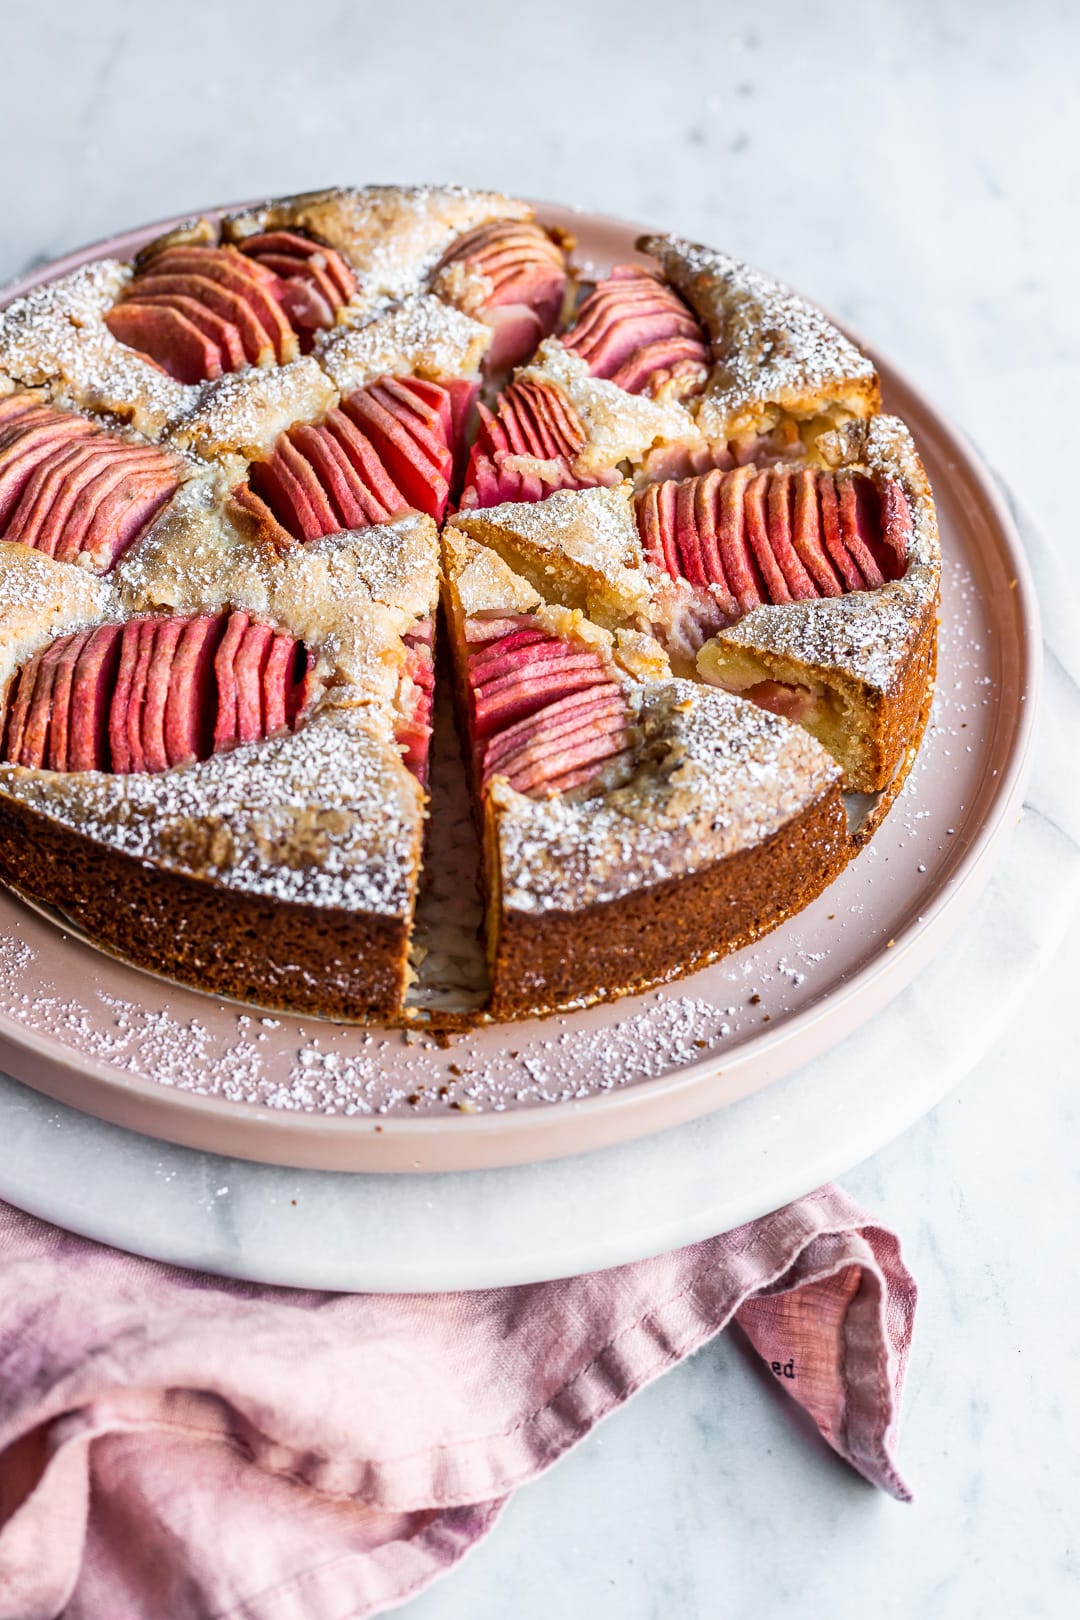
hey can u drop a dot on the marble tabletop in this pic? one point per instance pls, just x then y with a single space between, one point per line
919 174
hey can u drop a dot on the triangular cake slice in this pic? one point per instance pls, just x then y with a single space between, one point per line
631 829
775 357
854 667
228 791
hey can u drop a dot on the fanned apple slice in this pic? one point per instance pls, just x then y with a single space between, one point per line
168 338
249 665
158 682
191 704
227 721
223 301
91 692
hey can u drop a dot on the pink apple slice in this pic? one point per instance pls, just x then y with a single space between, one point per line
279 679
60 704
778 520
245 277
119 749
169 338
30 451
192 701
295 246
91 691
219 331
223 301
136 703
384 497
806 535
227 722
335 473
159 677
841 558
250 667
33 751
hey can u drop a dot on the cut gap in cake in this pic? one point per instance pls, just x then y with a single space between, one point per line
449 971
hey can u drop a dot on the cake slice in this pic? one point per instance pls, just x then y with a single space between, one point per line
239 749
853 663
777 361
632 830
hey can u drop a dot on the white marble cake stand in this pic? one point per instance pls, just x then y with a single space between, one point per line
482 1228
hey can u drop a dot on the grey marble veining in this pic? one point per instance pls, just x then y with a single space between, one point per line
916 167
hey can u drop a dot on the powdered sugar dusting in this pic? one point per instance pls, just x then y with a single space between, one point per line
769 344
715 775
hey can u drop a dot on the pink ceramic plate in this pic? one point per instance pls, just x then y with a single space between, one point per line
162 1059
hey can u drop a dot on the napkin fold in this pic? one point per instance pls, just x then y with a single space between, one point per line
178 1444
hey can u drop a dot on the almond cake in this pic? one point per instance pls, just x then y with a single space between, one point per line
266 485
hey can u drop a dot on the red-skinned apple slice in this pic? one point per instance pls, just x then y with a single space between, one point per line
731 535
385 497
300 247
495 662
45 491
335 473
243 276
190 702
136 701
757 535
112 508
841 558
227 722
92 687
124 517
168 337
166 641
855 530
296 465
119 750
573 753
513 696
279 678
422 485
60 702
33 751
778 519
806 535
231 306
591 706
27 454
250 666
219 331
16 708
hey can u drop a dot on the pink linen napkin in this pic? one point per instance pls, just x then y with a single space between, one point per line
175 1444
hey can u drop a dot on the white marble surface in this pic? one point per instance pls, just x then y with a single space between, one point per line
917 168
